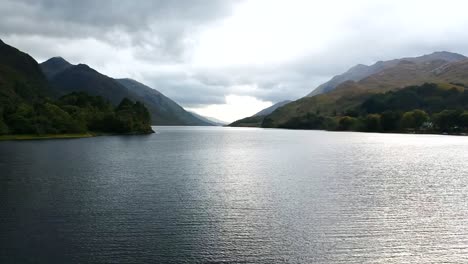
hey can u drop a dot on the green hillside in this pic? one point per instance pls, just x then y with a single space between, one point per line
427 108
350 94
27 109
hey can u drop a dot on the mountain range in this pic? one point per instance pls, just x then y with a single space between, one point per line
23 83
66 77
361 71
346 91
30 108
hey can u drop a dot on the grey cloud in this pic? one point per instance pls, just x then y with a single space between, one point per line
164 25
121 14
186 90
210 87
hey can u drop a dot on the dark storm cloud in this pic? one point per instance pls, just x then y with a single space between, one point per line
53 16
163 25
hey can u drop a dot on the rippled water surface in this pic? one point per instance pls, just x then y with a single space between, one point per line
192 194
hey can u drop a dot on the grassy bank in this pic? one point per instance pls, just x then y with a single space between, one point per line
45 136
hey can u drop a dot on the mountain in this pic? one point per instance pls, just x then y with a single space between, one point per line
163 110
21 78
82 78
27 110
426 108
257 119
446 69
213 121
65 78
54 65
361 71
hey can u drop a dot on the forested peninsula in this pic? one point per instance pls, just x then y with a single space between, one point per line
30 108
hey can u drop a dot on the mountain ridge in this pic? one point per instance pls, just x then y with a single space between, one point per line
394 75
361 71
28 112
66 77
54 65
164 109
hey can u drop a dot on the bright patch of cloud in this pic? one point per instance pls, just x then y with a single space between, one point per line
236 107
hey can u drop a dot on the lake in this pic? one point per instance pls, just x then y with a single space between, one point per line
212 194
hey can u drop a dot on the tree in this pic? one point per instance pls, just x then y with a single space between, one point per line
463 120
20 120
447 120
373 123
73 113
390 120
52 119
307 121
3 127
347 123
414 119
419 117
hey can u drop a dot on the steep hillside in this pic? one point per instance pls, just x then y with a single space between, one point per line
428 108
163 110
361 71
65 78
82 78
26 109
349 94
20 76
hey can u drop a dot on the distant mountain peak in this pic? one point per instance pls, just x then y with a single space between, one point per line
58 59
83 66
54 66
446 53
439 55
358 67
360 71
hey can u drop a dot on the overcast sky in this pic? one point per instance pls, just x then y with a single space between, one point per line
230 59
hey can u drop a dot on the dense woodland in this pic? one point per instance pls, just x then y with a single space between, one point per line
73 113
428 108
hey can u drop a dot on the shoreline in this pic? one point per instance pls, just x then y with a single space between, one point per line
16 137
20 137
355 131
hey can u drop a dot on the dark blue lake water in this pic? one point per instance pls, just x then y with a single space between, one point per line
194 194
